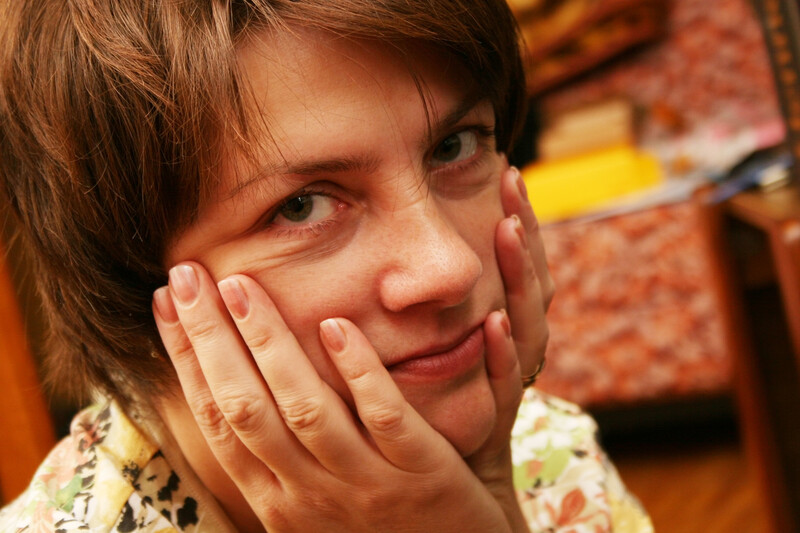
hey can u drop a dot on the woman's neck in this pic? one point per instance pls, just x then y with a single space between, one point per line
180 422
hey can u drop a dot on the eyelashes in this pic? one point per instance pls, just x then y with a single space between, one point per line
309 230
309 211
314 210
474 142
305 207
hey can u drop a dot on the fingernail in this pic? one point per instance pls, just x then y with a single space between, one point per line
333 334
234 297
523 189
505 323
520 231
162 301
184 284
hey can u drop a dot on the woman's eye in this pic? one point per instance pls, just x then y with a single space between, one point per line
455 148
306 209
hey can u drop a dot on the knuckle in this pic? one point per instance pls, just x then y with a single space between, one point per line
278 517
202 330
360 378
549 291
304 414
209 418
523 283
259 342
375 501
539 335
381 501
243 412
544 336
326 504
385 420
183 351
529 271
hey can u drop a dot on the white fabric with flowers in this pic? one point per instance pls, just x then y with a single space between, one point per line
109 475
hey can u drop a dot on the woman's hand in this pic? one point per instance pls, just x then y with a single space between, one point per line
302 460
529 291
529 287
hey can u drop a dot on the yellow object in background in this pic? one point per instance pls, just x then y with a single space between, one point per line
577 185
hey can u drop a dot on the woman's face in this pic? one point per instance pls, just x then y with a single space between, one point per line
365 207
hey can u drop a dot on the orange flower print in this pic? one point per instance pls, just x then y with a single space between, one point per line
571 507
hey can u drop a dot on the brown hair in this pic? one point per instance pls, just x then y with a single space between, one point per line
111 116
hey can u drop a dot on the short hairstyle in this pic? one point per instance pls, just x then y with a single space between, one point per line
112 115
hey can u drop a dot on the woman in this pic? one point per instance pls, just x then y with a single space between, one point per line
356 285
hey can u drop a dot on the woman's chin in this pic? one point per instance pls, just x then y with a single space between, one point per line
465 416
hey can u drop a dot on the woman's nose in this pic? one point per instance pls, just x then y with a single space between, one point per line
427 261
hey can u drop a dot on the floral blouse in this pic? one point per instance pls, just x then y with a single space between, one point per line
109 475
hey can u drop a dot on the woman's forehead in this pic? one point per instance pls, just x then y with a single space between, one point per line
310 94
311 62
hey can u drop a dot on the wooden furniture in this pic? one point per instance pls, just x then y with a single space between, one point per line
566 38
27 429
755 239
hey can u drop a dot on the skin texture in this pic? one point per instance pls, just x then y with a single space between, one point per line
306 334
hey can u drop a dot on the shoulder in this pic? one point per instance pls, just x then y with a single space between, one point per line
93 480
57 492
563 476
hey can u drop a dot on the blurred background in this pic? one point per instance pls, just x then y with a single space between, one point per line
659 162
658 154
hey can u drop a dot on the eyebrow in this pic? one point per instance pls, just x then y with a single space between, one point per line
362 163
333 166
469 102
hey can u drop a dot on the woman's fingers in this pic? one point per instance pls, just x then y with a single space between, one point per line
527 281
491 463
313 411
252 388
222 355
514 196
237 388
526 305
503 368
403 437
310 409
502 365
227 447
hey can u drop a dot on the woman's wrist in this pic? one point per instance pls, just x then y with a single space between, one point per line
507 499
498 478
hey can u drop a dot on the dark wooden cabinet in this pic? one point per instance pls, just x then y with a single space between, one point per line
755 240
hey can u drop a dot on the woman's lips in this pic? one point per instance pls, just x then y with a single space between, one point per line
448 364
